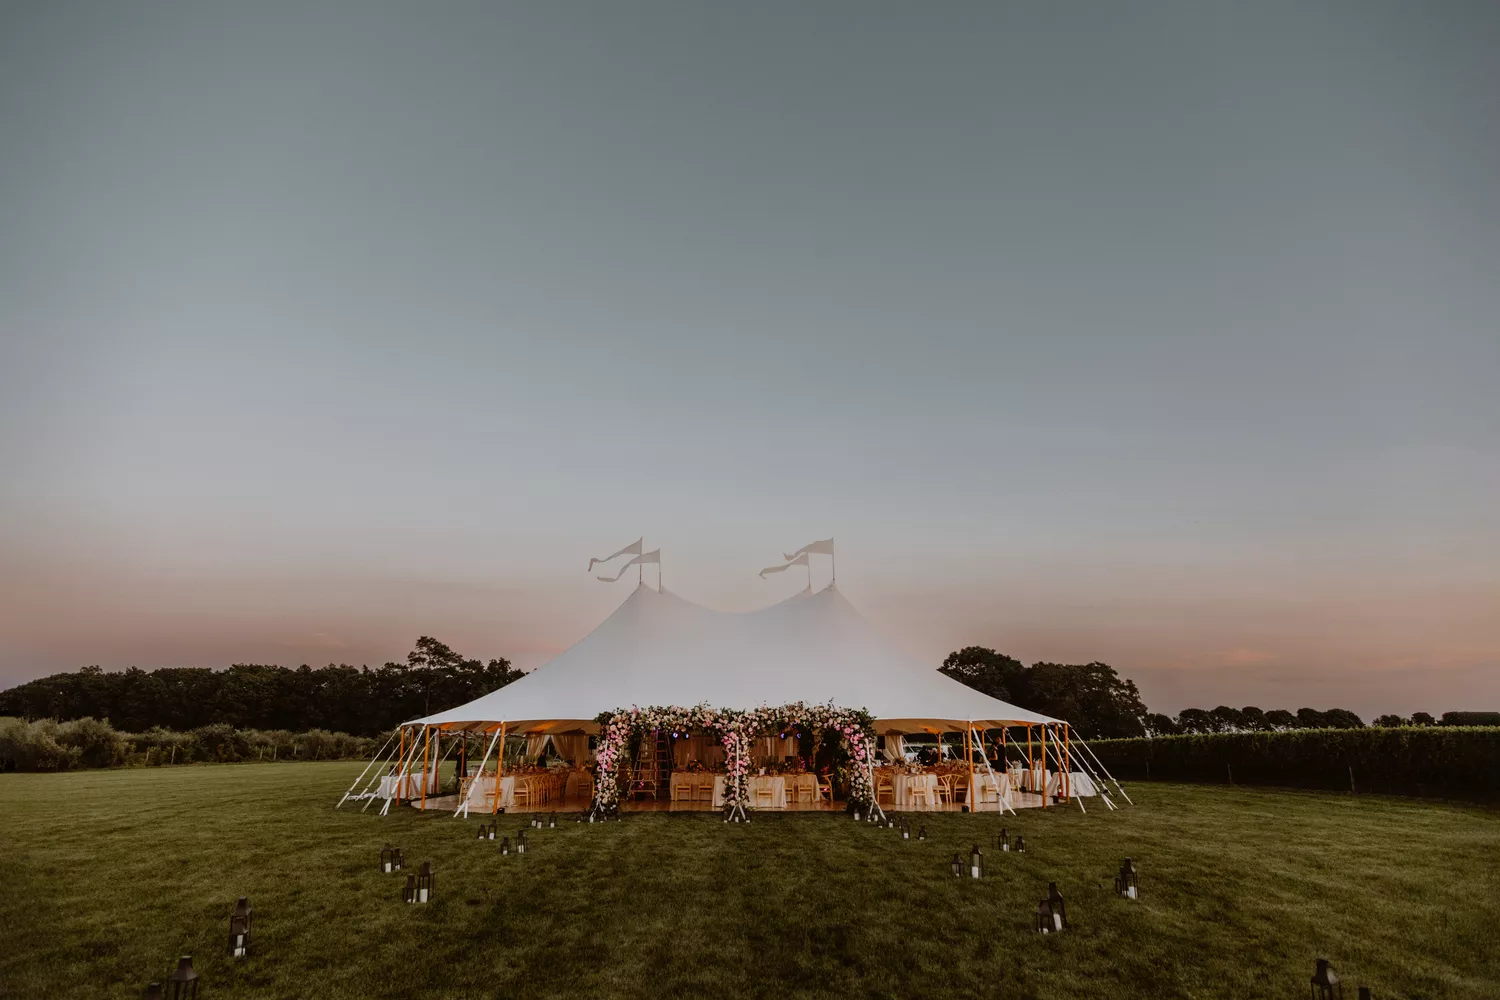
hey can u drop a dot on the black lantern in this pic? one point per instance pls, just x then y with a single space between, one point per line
425 883
239 929
976 862
388 859
1126 883
1059 908
521 842
153 991
1365 994
1325 982
1046 922
185 980
504 845
1020 844
486 831
922 833
400 860
905 829
1003 841
552 821
958 866
409 891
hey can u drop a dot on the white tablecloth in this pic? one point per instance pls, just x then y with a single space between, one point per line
408 786
904 783
987 791
775 782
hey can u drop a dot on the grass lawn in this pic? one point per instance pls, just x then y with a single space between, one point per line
109 875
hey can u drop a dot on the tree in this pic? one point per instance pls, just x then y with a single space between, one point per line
982 669
1309 718
1391 721
1091 697
1280 719
1158 724
339 697
1254 719
1227 720
1423 719
1342 718
1195 720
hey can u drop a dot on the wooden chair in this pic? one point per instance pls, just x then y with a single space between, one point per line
703 789
763 790
884 786
825 789
918 790
682 791
521 793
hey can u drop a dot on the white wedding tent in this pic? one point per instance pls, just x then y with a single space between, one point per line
660 649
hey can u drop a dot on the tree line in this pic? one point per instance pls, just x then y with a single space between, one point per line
360 701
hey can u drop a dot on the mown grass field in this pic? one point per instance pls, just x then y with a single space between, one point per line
109 875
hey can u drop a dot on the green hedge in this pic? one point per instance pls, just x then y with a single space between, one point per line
1443 761
49 745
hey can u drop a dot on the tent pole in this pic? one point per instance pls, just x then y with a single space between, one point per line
402 770
367 768
999 794
463 807
1105 770
499 771
365 793
426 747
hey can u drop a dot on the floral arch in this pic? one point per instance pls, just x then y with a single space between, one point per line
736 729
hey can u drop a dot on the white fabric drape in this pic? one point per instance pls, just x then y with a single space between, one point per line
572 746
535 744
895 748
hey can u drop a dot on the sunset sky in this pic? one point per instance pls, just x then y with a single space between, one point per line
1167 336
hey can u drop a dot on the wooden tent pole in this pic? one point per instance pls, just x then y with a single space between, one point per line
426 752
499 772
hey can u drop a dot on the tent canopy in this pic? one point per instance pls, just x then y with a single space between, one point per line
659 649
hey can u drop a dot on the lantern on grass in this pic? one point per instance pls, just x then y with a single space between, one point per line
1059 908
388 855
409 891
425 883
905 829
153 991
400 860
521 842
1020 844
976 862
185 980
1325 982
958 866
922 833
239 929
1003 841
552 821
1046 922
1365 994
1126 883
504 845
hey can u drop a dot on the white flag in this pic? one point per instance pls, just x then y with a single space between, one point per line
633 549
797 561
644 560
823 548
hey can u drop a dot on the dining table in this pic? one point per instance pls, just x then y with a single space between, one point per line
903 785
774 786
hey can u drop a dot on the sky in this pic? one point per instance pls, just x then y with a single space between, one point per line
1163 334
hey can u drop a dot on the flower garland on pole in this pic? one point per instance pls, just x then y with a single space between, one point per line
735 729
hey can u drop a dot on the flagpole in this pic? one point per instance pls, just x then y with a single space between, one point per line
833 561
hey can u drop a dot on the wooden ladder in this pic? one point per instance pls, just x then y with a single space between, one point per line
646 779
